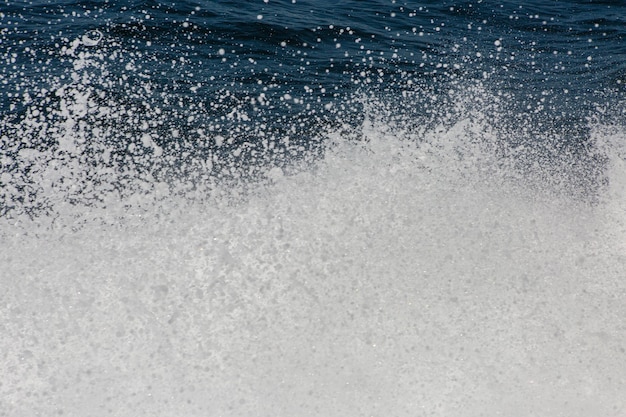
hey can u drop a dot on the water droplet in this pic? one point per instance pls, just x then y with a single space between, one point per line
92 38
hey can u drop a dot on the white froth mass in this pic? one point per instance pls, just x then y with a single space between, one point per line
390 277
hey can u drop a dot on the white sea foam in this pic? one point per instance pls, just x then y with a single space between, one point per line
402 274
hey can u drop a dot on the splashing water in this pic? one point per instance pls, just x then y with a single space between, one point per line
406 273
421 252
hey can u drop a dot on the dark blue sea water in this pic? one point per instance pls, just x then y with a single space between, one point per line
312 208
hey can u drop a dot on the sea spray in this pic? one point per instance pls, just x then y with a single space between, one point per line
397 275
312 208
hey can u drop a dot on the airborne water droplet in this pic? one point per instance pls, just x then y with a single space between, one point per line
92 38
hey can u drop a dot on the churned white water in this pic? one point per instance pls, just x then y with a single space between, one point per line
392 277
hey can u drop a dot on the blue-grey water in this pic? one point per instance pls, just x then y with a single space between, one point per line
312 208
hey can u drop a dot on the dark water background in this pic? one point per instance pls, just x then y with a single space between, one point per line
299 207
257 71
283 68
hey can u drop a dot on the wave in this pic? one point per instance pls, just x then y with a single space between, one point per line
403 265
415 249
